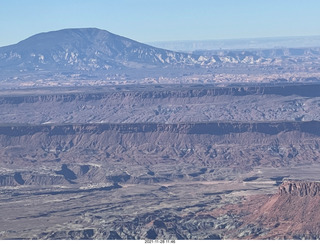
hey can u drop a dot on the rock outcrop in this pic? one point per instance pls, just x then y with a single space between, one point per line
300 188
292 213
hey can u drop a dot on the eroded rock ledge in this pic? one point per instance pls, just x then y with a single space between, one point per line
211 128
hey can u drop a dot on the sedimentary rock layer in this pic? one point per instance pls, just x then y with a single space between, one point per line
163 104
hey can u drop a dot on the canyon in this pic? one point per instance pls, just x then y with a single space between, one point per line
103 137
152 180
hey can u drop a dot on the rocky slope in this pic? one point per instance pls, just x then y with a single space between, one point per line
83 57
292 213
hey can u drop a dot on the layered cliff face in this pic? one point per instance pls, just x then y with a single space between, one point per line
165 104
208 147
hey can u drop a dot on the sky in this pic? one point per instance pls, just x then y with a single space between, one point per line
162 20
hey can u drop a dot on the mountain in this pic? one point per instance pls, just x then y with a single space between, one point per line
85 49
90 56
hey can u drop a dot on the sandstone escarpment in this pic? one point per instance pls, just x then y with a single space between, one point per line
300 188
292 213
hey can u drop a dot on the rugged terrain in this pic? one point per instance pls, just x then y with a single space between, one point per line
144 180
115 139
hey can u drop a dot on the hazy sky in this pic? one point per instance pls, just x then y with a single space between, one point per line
162 20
